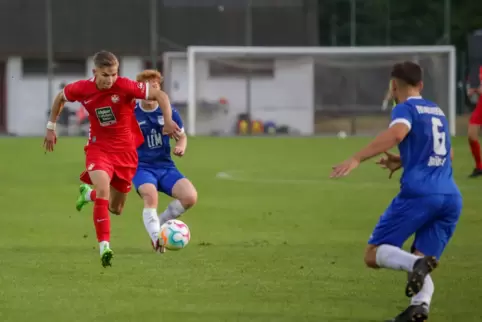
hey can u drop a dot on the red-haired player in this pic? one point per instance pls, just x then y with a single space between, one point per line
111 157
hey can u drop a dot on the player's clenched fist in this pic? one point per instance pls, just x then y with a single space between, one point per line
178 151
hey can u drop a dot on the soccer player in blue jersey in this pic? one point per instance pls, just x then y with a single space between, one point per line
429 202
156 171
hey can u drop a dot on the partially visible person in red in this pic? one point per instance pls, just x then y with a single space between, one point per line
475 123
111 157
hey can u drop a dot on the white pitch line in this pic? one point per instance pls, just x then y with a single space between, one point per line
231 177
241 176
237 176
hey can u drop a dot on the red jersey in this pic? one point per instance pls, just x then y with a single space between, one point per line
113 126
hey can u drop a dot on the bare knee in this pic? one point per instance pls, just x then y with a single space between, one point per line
185 192
189 199
371 256
101 182
102 192
148 193
150 199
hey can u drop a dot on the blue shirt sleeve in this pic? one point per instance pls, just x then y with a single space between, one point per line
177 118
401 114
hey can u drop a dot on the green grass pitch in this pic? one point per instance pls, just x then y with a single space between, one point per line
273 239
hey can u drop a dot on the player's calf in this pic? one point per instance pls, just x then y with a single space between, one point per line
116 209
117 201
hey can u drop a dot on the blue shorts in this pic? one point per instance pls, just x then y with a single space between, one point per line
431 218
163 178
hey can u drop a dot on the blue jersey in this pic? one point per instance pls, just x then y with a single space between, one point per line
156 149
425 151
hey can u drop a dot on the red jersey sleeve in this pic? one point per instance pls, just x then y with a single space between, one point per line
74 92
134 89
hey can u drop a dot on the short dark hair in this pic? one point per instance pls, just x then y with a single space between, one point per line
105 59
408 72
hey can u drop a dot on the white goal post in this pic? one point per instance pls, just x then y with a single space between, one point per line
307 80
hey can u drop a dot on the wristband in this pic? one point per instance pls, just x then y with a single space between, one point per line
50 126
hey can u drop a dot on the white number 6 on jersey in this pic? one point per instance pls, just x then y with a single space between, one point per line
439 147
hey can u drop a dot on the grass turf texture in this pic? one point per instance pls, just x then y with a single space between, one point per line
273 239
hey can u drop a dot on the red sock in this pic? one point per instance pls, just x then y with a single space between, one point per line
475 149
102 219
93 195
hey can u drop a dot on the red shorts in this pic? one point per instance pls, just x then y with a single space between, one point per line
120 166
476 117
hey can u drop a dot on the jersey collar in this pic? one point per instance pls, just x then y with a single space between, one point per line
414 98
147 111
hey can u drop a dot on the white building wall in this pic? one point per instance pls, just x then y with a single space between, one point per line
27 96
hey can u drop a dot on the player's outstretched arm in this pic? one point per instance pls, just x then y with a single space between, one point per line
383 142
155 94
51 136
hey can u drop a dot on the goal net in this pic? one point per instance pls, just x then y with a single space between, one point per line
298 90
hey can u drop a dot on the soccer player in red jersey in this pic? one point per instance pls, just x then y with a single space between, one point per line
111 157
475 123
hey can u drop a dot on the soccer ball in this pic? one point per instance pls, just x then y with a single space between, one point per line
174 235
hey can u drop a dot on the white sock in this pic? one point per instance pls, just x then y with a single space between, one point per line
425 294
103 244
151 222
173 211
87 195
389 256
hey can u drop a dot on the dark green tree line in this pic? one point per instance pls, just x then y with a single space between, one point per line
393 22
